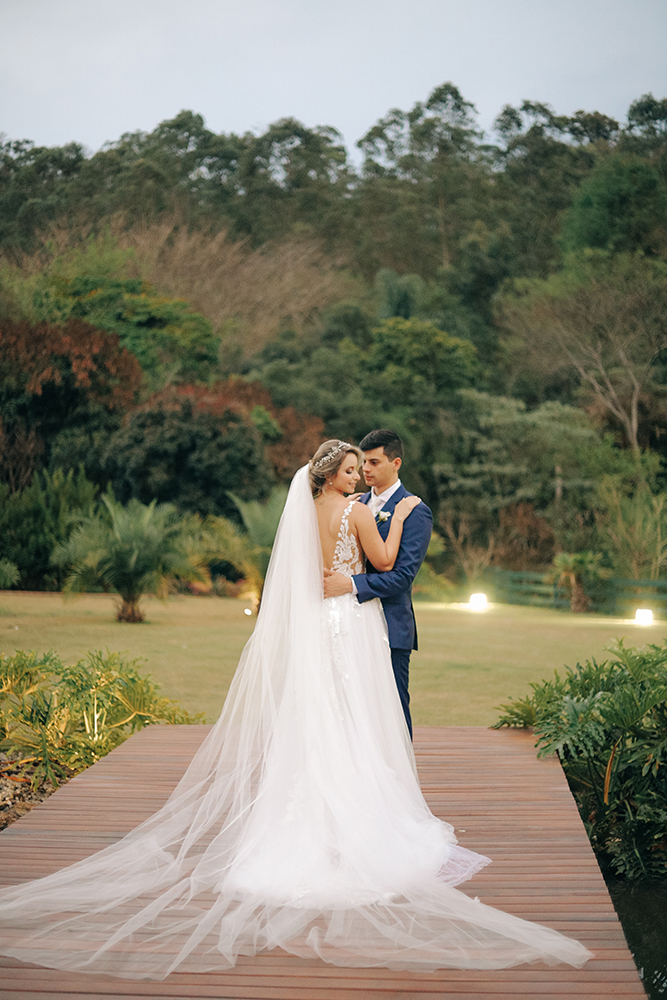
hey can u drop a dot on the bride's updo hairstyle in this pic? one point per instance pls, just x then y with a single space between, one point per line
326 462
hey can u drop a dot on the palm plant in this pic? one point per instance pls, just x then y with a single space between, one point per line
260 521
133 550
249 551
223 541
570 569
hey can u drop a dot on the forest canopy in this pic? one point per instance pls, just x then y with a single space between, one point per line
186 314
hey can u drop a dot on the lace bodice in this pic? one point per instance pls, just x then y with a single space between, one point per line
347 557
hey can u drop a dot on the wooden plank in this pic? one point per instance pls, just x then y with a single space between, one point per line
490 785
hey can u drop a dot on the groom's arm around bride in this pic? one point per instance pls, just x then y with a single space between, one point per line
383 452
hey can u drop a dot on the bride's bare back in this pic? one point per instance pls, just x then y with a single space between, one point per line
330 506
329 516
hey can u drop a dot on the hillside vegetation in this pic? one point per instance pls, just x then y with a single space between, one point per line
186 314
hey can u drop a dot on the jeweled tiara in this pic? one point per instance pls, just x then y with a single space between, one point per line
341 446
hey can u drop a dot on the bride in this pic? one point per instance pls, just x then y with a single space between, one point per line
300 823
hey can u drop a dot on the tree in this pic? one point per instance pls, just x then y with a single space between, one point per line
472 556
423 174
171 450
646 133
416 371
171 342
621 206
603 318
55 378
133 550
74 357
37 185
346 320
248 294
324 381
414 362
20 453
408 296
399 295
539 170
291 175
517 482
632 523
593 127
289 437
404 378
98 282
525 539
404 143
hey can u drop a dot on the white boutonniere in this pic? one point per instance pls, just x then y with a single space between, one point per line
383 516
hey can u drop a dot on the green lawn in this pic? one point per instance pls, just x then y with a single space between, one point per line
469 662
466 665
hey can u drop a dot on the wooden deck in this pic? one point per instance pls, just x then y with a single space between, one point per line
502 801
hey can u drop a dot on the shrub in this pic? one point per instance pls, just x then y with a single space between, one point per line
57 720
35 520
608 724
9 574
172 451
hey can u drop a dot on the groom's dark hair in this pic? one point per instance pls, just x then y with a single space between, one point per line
389 440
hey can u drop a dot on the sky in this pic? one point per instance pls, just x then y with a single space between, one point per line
90 70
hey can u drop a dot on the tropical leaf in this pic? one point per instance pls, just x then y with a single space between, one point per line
608 723
59 719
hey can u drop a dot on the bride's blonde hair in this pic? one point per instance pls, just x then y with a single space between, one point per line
326 462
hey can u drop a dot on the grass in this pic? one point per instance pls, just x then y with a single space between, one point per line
466 665
190 645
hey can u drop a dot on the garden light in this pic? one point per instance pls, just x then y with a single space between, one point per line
643 616
247 611
478 602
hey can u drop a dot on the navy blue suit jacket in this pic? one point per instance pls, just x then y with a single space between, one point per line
394 588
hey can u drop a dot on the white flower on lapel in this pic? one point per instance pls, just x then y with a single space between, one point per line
383 516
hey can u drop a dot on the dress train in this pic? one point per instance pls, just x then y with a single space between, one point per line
299 824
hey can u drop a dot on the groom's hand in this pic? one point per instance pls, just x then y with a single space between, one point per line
336 583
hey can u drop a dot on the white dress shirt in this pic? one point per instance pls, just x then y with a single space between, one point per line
375 505
378 500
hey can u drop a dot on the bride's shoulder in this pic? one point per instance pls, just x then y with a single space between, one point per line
359 513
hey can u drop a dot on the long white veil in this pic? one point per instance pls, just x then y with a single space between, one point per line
299 823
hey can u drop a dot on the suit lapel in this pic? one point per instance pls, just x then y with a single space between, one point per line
395 497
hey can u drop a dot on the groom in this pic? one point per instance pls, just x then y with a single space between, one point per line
383 455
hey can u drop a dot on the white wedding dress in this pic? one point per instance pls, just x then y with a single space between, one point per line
299 824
